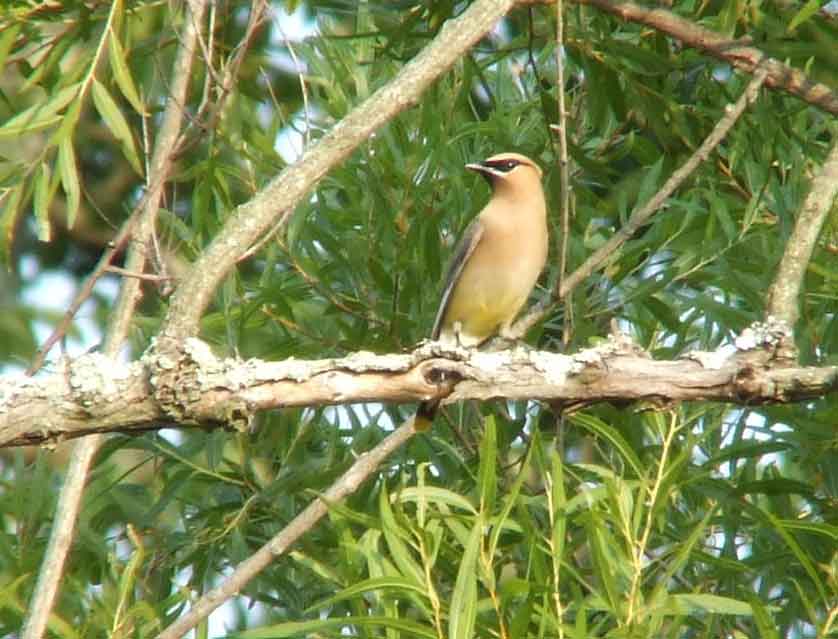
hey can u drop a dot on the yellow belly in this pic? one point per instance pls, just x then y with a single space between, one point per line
496 281
479 314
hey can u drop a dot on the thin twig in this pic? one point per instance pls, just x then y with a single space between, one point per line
115 246
260 243
564 170
303 88
539 83
207 48
69 501
148 277
641 216
348 483
200 122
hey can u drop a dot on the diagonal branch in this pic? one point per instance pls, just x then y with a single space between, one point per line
738 53
347 484
784 296
70 497
641 216
277 200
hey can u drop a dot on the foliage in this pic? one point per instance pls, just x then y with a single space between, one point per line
699 521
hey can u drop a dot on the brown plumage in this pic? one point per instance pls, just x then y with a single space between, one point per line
497 262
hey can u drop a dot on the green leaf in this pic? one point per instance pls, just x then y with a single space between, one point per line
116 123
729 15
686 604
586 498
511 497
438 495
463 609
122 74
320 568
600 428
559 499
41 115
827 530
649 185
128 578
603 545
720 211
10 200
44 192
685 548
743 450
67 128
640 60
421 501
762 617
777 525
487 473
399 550
806 11
368 585
778 486
7 40
305 628
69 178
521 620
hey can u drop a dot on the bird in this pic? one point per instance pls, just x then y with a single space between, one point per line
496 263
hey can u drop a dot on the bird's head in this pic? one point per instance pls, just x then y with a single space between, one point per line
509 171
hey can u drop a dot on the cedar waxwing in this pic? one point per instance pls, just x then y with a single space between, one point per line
497 262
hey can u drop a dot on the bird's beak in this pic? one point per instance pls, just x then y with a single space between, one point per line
486 171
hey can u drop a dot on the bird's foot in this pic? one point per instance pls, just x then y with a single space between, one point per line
505 341
428 348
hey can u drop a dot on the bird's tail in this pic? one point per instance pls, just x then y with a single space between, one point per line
425 414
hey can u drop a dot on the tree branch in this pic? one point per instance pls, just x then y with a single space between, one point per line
69 500
564 170
277 200
784 296
738 53
641 216
348 483
98 394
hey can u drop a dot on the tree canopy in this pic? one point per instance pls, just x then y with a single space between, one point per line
252 206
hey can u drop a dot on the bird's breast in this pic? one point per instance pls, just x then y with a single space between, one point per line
495 283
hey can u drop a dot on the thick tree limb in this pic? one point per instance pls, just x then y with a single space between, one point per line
277 200
738 53
98 394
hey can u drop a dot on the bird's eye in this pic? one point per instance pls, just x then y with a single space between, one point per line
503 165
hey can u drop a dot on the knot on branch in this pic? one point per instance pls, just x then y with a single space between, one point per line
181 374
443 375
767 343
748 384
439 365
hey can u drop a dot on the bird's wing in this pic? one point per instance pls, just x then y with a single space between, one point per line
469 241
